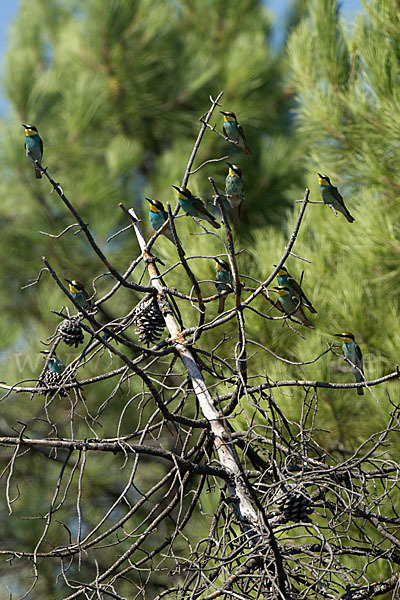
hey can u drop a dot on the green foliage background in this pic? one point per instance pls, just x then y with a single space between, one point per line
116 89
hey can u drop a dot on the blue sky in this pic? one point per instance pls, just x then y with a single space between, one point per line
7 14
278 7
9 10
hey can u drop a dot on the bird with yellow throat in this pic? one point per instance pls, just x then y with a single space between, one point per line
33 147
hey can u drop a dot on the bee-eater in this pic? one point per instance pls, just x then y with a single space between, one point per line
223 276
234 131
55 365
194 206
284 278
78 293
157 217
288 304
331 196
33 147
214 209
234 191
352 352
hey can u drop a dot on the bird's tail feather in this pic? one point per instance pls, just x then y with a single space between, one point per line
359 377
348 215
212 221
349 218
246 148
305 302
302 317
310 308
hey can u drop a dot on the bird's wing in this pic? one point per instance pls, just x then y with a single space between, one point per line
360 358
295 286
242 133
295 299
228 276
337 195
41 145
199 205
245 147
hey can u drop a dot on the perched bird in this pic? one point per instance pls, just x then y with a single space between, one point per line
33 147
234 191
53 376
194 206
214 208
223 276
331 196
158 216
234 131
352 352
284 278
78 293
55 365
288 304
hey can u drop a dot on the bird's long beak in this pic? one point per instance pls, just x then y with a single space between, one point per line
338 335
44 351
68 281
23 125
229 165
222 112
319 175
177 188
148 200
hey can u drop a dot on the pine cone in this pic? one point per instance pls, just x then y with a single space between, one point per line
149 320
71 332
295 505
50 379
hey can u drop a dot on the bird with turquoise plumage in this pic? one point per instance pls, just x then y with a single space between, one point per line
194 207
54 374
234 131
234 191
331 196
223 277
215 210
352 352
157 217
54 363
33 147
284 278
290 305
78 293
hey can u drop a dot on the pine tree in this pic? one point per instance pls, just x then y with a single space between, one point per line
116 90
182 453
346 82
